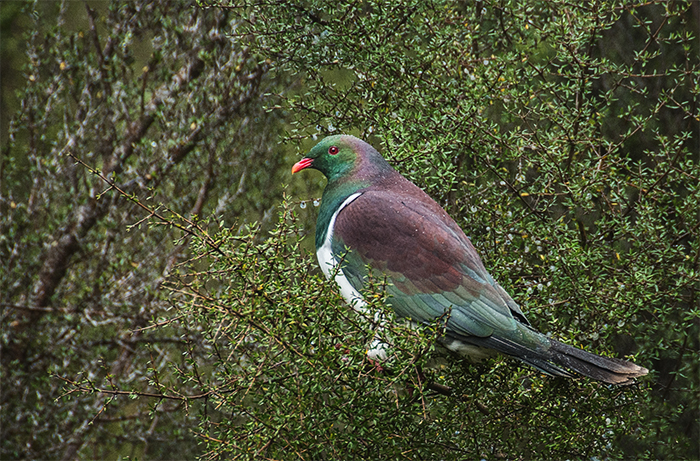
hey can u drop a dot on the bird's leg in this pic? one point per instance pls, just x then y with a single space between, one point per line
376 365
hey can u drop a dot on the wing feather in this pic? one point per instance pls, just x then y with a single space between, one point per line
431 265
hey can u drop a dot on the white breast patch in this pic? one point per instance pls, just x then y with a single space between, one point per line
328 263
377 350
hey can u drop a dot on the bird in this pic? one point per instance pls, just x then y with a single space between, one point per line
372 218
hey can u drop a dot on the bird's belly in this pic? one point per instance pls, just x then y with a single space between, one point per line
475 353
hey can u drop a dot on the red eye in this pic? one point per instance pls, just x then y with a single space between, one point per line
333 150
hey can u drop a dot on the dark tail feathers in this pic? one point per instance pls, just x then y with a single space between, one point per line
605 369
559 358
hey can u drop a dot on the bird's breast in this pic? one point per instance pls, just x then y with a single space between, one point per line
329 263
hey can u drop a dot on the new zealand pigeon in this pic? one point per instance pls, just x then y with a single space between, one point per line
371 216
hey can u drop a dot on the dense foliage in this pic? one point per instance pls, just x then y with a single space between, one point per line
141 317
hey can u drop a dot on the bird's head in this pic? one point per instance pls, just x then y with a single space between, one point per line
336 156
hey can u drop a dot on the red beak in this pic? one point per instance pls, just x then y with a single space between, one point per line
301 164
